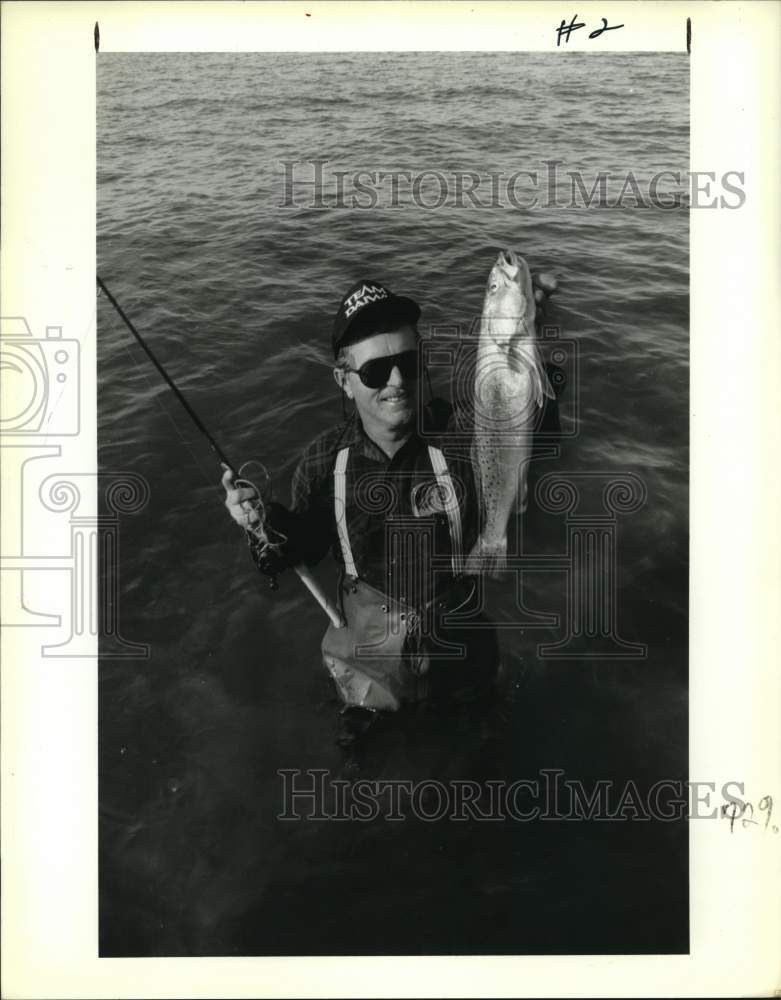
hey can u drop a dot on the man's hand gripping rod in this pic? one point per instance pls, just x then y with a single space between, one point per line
271 539
260 531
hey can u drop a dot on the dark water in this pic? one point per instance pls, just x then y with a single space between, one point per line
234 292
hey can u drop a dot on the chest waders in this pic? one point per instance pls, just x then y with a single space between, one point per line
379 659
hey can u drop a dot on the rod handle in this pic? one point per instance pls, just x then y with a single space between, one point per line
320 596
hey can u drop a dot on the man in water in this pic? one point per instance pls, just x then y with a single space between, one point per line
399 511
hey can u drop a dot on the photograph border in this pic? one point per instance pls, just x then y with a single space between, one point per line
49 706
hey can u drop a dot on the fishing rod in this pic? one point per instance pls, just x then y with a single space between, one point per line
302 571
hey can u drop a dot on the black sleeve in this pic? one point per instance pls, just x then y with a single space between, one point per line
303 532
312 523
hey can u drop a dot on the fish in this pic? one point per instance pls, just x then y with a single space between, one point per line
510 386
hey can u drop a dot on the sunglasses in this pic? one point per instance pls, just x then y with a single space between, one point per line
375 373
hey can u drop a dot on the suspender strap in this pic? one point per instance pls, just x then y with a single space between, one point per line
340 510
450 501
439 465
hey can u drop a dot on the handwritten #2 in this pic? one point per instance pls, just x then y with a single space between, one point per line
566 30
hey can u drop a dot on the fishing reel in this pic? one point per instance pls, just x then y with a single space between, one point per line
264 541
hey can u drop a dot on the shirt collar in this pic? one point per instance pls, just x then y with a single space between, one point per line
356 436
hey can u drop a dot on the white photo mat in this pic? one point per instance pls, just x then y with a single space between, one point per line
49 707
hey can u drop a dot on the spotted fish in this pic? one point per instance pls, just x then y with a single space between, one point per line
509 389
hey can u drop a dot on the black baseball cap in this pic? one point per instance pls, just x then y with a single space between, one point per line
369 307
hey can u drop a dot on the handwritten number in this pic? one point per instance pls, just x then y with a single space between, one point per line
568 29
736 811
564 30
750 821
732 811
598 32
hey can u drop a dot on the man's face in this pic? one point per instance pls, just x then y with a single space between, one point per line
393 404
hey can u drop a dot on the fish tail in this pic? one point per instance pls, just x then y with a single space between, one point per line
495 558
488 557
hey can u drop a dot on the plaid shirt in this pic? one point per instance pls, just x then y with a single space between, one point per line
398 532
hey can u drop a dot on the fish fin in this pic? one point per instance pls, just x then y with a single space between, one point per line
542 386
526 356
545 386
489 558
